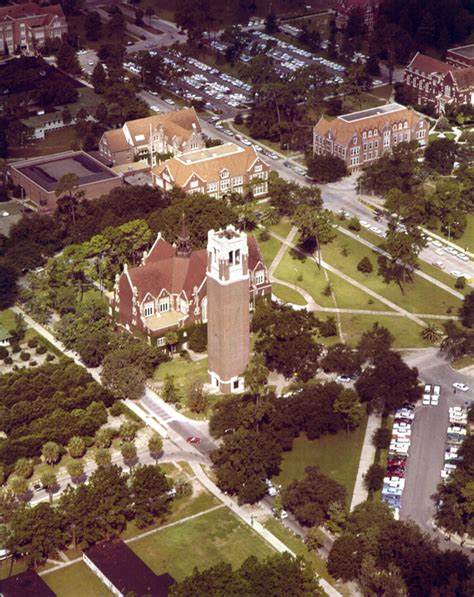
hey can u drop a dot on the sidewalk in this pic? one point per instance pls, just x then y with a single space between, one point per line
250 520
367 456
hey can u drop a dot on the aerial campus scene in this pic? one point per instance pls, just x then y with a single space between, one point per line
236 298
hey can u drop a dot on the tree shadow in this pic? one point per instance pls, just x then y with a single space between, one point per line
390 272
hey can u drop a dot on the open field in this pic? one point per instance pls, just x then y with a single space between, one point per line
288 294
201 542
420 296
268 249
282 228
54 142
76 580
336 455
305 273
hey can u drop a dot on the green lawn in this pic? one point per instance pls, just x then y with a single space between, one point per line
7 319
288 294
202 542
420 296
366 101
405 331
336 455
467 239
383 92
283 228
76 580
305 273
54 142
442 276
466 361
268 248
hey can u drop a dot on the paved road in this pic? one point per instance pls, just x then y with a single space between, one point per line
429 436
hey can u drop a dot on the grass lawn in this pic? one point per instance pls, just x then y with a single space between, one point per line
268 248
420 296
366 101
76 580
466 361
305 273
405 331
283 228
243 128
336 455
288 294
442 276
467 239
54 142
384 91
298 547
203 541
7 319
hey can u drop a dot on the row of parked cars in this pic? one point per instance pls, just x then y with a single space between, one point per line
394 480
431 395
456 434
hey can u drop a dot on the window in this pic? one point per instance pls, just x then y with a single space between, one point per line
194 184
405 125
370 145
225 184
212 186
364 135
365 157
447 91
376 144
260 189
365 146
224 174
235 384
149 309
164 305
400 126
237 181
260 277
376 132
370 133
394 127
395 138
354 140
161 341
258 168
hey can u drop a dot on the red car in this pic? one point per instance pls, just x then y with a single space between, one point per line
192 439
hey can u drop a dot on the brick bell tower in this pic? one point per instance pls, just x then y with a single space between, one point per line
228 325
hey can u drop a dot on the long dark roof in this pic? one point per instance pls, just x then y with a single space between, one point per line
126 571
26 584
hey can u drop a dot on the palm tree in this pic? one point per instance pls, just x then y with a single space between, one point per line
431 333
50 483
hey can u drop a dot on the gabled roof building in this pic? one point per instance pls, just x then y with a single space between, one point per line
162 134
28 26
216 171
438 83
360 138
168 290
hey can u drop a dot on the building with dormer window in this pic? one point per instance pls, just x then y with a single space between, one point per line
216 171
169 289
361 138
26 27
171 133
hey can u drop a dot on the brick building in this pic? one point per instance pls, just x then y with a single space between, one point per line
28 26
169 290
369 8
461 57
439 83
361 138
169 133
215 171
39 177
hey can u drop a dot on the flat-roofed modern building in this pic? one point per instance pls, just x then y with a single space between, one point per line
216 171
39 177
361 138
123 572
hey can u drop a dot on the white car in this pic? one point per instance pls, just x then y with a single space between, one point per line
343 379
5 214
426 400
155 108
169 101
460 386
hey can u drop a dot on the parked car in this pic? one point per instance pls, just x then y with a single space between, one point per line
343 379
460 386
193 439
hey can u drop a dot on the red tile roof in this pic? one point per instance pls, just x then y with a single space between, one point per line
31 9
464 77
427 65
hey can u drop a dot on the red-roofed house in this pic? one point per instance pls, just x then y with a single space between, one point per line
28 26
438 83
168 290
370 9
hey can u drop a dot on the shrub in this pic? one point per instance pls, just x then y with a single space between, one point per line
24 355
50 357
460 283
264 235
8 361
354 224
382 437
238 119
33 363
197 336
16 348
33 342
88 441
116 409
3 352
365 266
328 327
41 349
374 477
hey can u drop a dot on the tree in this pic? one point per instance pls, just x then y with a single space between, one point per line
128 430
389 383
382 438
8 285
67 59
344 559
75 469
50 482
348 405
169 391
365 265
314 539
374 476
116 26
19 486
129 453
314 226
341 359
458 341
256 375
440 155
431 333
76 447
124 382
466 312
99 78
155 446
93 26
148 489
35 533
194 18
103 457
374 342
172 339
51 452
24 468
198 400
326 168
403 248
